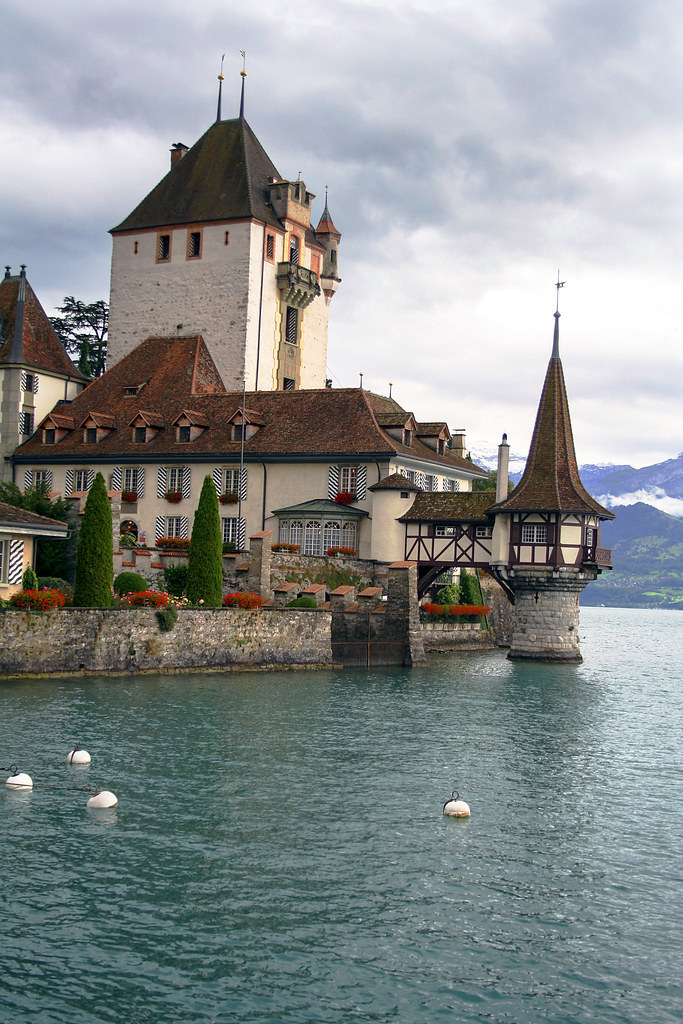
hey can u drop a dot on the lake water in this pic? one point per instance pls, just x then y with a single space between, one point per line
279 852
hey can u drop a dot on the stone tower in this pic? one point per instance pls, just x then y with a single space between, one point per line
546 534
223 247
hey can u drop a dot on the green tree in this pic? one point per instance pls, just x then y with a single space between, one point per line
95 554
205 562
54 557
489 483
469 588
82 329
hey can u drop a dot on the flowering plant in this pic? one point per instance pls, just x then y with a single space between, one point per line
38 600
181 544
452 611
345 497
351 552
282 546
145 599
228 498
129 496
242 600
173 496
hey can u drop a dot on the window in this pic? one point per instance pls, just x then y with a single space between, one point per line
270 247
291 323
409 474
293 249
431 483
238 431
49 436
288 384
349 535
183 433
164 248
194 245
130 480
130 392
27 382
4 544
484 531
41 476
407 437
80 480
590 536
348 476
227 238
231 478
312 537
175 526
230 531
174 479
534 533
90 435
294 530
451 485
440 446
331 535
135 248
444 531
27 422
140 435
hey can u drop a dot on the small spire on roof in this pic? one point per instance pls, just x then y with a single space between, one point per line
556 334
8 272
221 79
243 75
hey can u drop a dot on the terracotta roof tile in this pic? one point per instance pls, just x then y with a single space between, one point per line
26 334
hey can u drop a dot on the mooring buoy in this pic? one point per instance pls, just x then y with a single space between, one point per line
78 756
102 800
18 780
455 807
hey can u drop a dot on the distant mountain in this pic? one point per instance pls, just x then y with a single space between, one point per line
647 553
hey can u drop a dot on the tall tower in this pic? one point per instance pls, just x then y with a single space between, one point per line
223 247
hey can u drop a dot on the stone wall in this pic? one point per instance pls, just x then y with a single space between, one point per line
456 636
109 640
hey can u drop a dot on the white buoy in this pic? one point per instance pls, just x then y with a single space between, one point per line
78 756
19 780
456 808
101 801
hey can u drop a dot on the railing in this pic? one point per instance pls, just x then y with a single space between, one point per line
299 284
597 556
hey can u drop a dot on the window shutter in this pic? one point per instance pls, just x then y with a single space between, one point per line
141 481
116 478
241 534
243 485
184 526
420 480
24 380
159 527
217 474
186 481
16 561
333 483
48 479
161 482
91 477
361 482
28 479
35 383
69 482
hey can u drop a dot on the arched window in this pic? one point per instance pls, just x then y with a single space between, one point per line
331 535
129 526
312 537
349 536
295 531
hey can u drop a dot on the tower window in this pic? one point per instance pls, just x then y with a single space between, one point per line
27 422
291 324
534 533
288 384
270 247
164 249
194 245
293 249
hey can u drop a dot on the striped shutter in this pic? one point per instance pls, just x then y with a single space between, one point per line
187 480
333 483
69 483
243 485
116 477
91 477
16 561
420 480
35 383
159 527
28 479
48 479
217 474
24 380
161 482
241 534
184 526
141 481
361 482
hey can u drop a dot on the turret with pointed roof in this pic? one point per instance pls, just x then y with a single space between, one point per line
223 247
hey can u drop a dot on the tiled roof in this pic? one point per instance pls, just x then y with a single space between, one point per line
322 506
11 516
447 506
224 176
323 422
26 335
431 429
326 224
395 482
551 480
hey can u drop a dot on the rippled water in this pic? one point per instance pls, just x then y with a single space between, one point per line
279 853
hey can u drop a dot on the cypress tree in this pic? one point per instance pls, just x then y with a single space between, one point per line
95 552
205 563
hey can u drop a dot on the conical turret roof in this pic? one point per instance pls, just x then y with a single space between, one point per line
551 481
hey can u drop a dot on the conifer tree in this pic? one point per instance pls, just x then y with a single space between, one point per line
205 563
469 588
95 552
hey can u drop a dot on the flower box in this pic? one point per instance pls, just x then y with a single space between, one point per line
229 498
129 497
345 497
173 496
291 548
173 545
340 552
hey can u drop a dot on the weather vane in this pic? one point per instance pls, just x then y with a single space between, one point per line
559 284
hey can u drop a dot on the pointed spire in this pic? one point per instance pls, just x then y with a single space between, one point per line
326 224
221 79
243 75
556 335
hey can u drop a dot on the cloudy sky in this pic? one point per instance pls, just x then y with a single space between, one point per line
472 148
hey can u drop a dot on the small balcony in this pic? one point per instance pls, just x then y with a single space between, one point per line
599 557
298 284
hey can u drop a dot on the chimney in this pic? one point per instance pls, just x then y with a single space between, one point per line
458 442
178 151
503 464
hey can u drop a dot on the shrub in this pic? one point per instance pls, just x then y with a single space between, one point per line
173 543
130 582
244 599
29 581
281 546
175 578
95 553
145 599
205 564
229 547
128 540
449 594
305 601
55 583
470 592
167 618
38 600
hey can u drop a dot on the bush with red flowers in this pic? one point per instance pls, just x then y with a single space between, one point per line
451 612
129 496
345 498
282 546
173 496
38 600
228 498
145 599
351 552
242 600
179 544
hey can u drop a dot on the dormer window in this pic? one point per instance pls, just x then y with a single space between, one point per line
183 433
441 446
407 437
90 435
140 435
49 435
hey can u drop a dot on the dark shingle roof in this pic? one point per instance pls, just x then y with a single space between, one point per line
224 176
11 516
447 506
395 482
26 335
551 480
